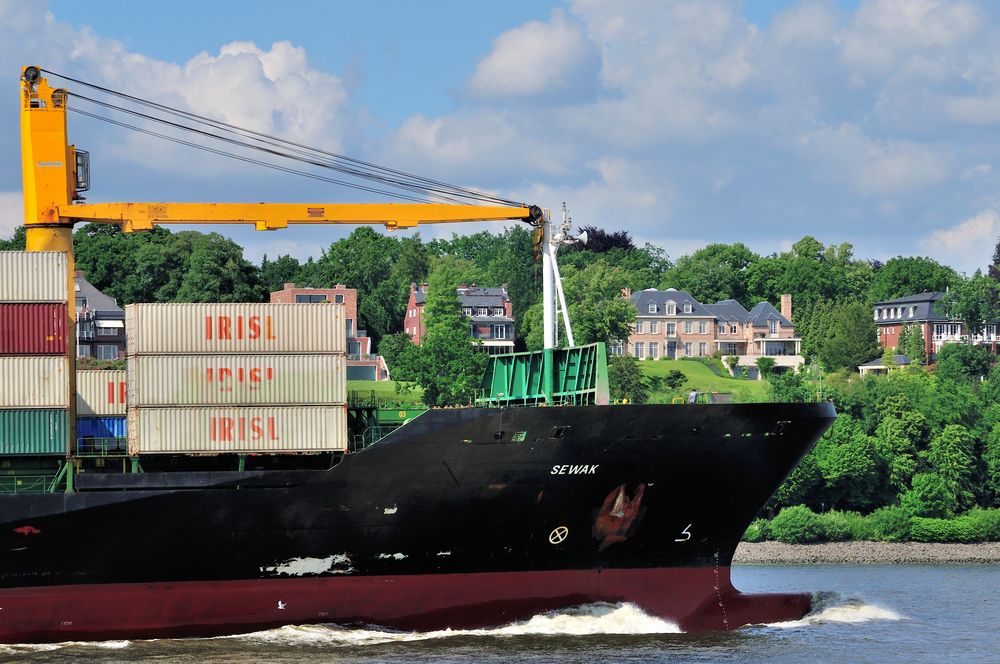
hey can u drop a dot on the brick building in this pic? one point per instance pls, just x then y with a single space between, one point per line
672 324
100 322
489 311
362 364
924 311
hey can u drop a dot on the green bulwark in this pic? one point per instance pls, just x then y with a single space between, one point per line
561 376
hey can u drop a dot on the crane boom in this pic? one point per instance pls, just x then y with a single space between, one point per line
55 173
272 216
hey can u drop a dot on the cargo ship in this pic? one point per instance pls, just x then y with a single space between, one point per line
184 497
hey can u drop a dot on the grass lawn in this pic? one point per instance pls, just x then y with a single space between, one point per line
701 378
386 390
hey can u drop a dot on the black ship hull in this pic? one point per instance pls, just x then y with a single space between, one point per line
461 518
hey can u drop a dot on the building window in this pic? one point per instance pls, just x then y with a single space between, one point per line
499 331
651 308
772 326
687 348
615 348
498 311
483 311
107 352
654 327
654 350
702 349
639 328
687 308
338 299
83 350
954 329
913 312
671 309
310 298
106 331
732 329
687 327
467 311
722 328
702 327
350 327
640 350
671 329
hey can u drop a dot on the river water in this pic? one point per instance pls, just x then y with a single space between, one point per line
865 613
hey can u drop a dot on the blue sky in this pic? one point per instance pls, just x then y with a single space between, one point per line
871 122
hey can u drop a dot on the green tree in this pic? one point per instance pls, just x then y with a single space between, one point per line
991 459
963 361
972 301
853 339
803 486
732 361
217 272
931 496
395 349
902 276
626 380
15 242
951 456
765 365
716 272
914 346
889 357
275 274
449 364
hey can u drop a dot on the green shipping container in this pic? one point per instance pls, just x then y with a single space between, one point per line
35 431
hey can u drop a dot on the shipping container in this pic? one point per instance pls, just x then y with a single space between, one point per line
101 427
221 429
101 435
100 392
33 329
33 276
177 380
34 381
185 329
31 432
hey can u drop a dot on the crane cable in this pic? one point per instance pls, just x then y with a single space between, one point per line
306 154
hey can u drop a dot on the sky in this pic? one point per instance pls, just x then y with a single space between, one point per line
872 122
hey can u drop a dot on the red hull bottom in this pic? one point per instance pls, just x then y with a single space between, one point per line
695 598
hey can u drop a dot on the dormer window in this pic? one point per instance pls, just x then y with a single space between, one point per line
467 311
687 308
913 311
671 309
652 308
498 311
483 311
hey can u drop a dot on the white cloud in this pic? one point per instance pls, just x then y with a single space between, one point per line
538 58
967 246
11 212
874 166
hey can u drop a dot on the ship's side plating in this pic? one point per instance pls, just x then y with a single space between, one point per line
579 503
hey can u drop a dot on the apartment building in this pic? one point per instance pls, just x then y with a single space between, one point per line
362 364
673 324
924 310
489 311
100 322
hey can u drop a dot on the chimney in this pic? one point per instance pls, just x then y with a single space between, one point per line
79 274
786 306
289 286
626 293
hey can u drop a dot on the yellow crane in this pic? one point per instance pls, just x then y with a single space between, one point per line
55 173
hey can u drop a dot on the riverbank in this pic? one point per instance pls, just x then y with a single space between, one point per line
865 553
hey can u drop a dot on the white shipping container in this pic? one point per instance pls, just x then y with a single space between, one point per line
34 381
221 429
33 276
100 393
179 380
185 329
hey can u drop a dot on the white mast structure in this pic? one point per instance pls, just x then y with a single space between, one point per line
553 296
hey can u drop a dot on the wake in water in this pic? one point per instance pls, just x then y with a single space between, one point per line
831 608
598 618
